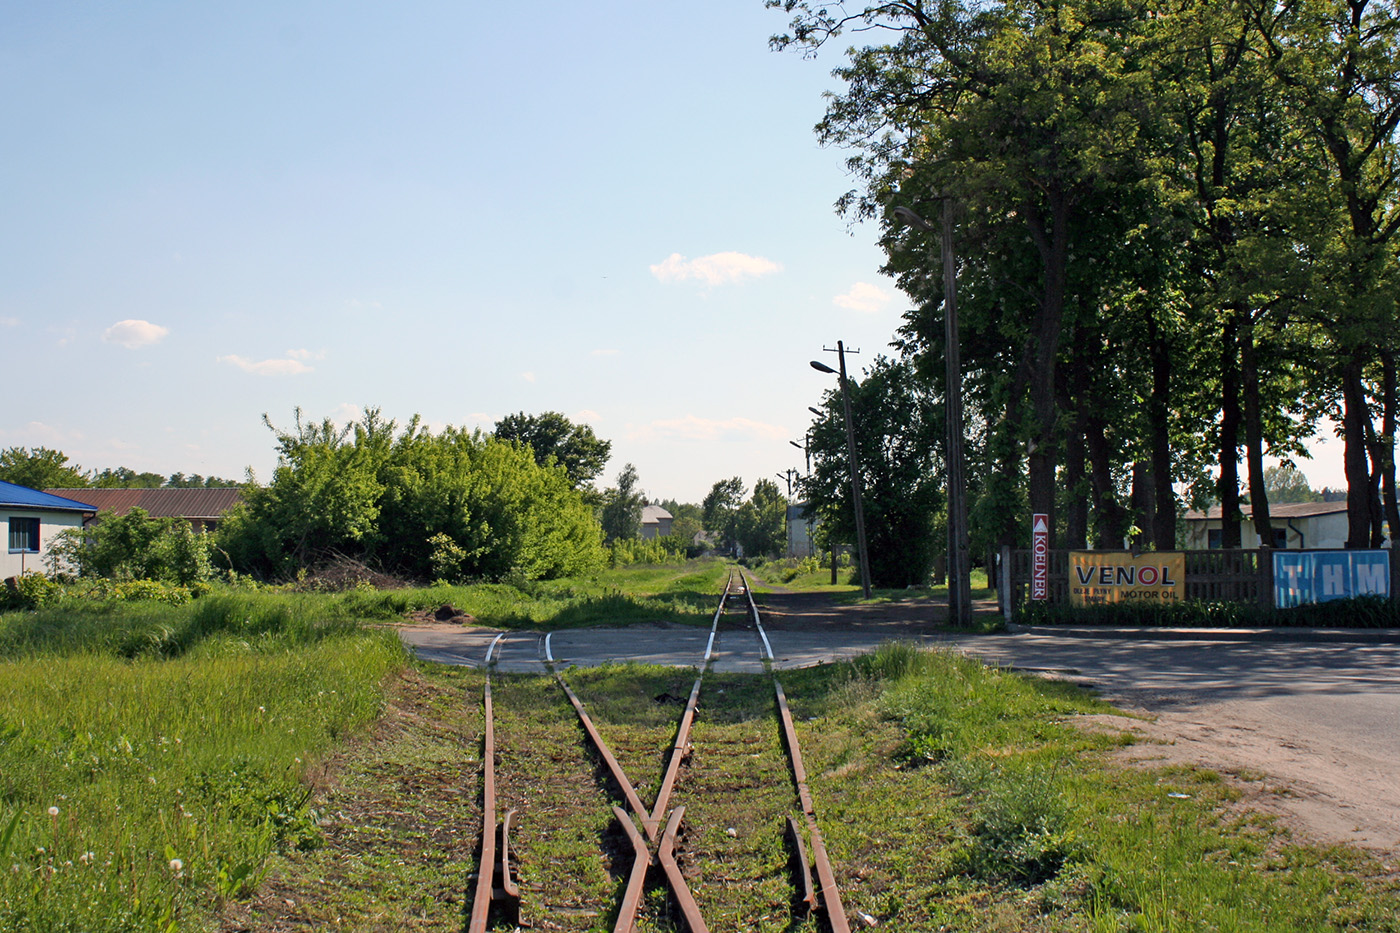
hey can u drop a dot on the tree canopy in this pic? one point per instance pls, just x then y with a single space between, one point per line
1175 238
40 468
553 437
375 492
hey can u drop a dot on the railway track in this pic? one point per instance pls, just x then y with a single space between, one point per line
657 832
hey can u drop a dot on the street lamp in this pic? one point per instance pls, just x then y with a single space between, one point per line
959 584
855 467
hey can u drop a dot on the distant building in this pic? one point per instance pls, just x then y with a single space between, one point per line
656 522
799 531
28 521
1295 525
202 508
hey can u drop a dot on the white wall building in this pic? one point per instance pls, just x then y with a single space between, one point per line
28 521
1295 525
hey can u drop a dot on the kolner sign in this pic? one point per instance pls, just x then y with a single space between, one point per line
1118 576
1040 556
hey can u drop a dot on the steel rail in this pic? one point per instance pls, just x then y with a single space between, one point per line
485 873
487 867
663 841
826 877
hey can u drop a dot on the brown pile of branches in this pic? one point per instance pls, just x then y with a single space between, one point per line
339 573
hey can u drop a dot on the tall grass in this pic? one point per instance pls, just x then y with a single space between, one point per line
134 795
152 756
1136 850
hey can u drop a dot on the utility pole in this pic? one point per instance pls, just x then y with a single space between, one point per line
959 563
855 465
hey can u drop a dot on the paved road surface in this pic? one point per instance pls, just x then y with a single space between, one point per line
1316 711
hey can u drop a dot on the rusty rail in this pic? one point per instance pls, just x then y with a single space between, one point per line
654 844
830 895
486 890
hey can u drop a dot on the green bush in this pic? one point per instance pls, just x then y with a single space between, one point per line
1019 828
134 546
29 591
1362 612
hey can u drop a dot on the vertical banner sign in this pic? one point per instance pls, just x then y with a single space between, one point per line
1040 556
1302 577
1153 578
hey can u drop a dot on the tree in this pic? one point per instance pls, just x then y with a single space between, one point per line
554 437
40 468
127 478
1286 483
761 523
134 546
622 507
720 510
404 498
897 431
687 519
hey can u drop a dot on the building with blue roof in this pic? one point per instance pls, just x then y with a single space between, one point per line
29 519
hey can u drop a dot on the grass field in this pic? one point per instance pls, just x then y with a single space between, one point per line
257 759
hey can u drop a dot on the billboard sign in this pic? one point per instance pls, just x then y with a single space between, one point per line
1040 556
1302 577
1097 577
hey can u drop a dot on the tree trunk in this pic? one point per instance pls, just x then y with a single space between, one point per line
1387 448
1052 242
1076 537
1229 485
1254 436
1077 512
1111 518
1144 500
1355 421
1159 421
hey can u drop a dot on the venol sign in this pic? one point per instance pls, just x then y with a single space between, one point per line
1117 577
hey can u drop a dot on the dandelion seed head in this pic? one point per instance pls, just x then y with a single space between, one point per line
176 865
53 811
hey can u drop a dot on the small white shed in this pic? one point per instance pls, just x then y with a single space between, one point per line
28 521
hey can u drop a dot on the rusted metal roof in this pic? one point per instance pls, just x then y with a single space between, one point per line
159 503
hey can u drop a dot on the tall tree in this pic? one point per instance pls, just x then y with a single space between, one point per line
554 437
40 468
762 521
1026 113
898 432
720 510
622 506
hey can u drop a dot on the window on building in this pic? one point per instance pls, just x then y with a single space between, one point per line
1280 537
1215 537
24 535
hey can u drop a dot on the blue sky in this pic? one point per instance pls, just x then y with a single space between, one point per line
618 211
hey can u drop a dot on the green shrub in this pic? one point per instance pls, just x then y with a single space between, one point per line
1362 612
1019 828
29 591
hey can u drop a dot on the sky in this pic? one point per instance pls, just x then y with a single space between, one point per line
617 211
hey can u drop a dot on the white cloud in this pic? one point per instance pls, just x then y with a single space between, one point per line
863 297
692 428
586 414
306 354
605 352
716 269
9 322
287 367
134 334
528 377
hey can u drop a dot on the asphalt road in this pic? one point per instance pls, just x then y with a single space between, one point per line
1318 711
